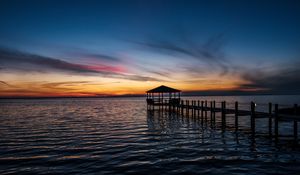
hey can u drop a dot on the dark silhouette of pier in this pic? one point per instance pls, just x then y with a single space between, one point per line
199 110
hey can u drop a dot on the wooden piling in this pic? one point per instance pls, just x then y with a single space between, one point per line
276 123
211 109
198 106
205 111
182 104
192 108
223 104
253 118
214 111
201 111
186 107
295 125
236 113
193 111
174 107
270 119
192 102
195 107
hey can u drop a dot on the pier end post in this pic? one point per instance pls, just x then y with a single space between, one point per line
253 118
276 123
236 113
270 119
295 125
202 112
223 115
198 107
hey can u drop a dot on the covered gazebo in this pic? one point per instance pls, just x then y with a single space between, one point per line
163 95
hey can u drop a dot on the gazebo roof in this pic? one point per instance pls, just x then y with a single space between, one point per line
163 89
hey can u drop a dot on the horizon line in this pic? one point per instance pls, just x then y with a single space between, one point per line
143 95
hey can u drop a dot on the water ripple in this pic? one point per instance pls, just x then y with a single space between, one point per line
118 136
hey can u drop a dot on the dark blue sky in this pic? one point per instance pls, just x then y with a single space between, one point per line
247 24
151 38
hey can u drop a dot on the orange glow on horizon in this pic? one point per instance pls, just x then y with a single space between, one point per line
62 85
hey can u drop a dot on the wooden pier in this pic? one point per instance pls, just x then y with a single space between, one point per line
199 110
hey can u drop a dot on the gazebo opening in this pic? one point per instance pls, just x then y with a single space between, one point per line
163 95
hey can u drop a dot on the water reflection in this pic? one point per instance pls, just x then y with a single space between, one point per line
177 125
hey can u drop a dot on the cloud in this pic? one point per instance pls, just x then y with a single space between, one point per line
72 85
284 80
209 52
4 83
65 85
21 61
12 58
99 57
86 54
160 73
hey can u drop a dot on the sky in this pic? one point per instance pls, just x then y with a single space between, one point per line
51 48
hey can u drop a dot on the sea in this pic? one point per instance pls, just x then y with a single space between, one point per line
120 136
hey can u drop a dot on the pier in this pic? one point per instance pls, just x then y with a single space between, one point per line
167 99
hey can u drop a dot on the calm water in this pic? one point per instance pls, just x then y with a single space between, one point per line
119 136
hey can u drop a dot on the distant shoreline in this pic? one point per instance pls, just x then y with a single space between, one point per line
137 96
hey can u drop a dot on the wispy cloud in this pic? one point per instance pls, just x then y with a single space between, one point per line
101 57
72 85
209 52
65 85
87 54
13 59
20 61
5 84
284 80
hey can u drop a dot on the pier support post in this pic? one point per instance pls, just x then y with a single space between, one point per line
169 106
253 118
188 109
295 125
192 102
205 110
153 107
193 109
236 113
198 107
270 119
222 112
223 115
182 103
214 111
211 111
177 107
276 123
201 112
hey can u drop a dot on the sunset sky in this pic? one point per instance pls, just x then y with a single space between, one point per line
96 48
